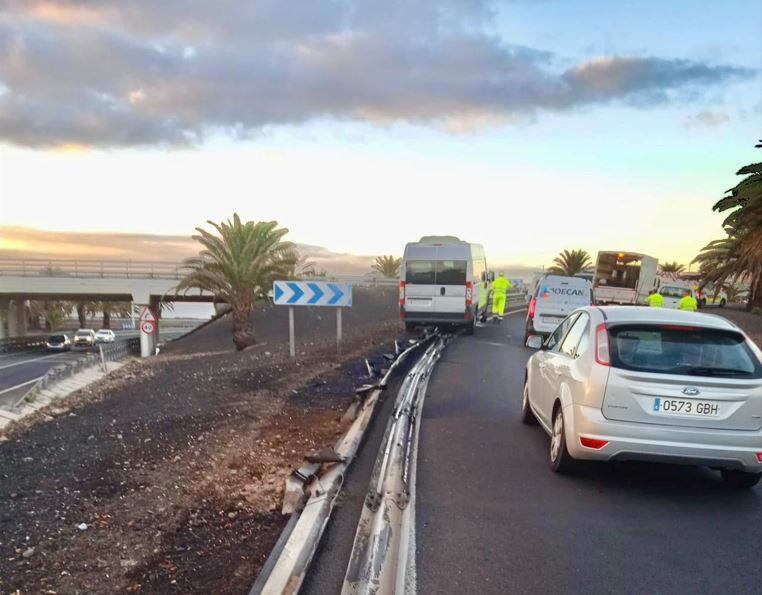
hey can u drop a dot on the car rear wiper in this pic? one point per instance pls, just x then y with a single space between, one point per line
709 371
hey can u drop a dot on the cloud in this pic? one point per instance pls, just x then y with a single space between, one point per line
707 119
114 73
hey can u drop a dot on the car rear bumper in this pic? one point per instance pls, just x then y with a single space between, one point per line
728 449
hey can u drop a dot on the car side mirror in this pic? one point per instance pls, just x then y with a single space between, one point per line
484 276
534 342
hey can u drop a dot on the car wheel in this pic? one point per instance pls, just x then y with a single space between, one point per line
560 459
740 479
527 415
722 303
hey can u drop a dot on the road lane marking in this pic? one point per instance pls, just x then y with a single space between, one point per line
7 390
31 361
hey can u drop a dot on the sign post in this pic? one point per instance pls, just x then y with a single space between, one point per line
292 344
148 327
338 330
312 293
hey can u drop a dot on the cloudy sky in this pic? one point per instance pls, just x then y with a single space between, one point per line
528 125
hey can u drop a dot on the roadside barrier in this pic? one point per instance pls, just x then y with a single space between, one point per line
31 343
311 492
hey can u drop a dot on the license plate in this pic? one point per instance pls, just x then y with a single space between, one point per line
552 318
686 407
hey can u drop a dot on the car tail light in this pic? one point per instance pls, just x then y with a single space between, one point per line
593 443
602 355
469 294
759 457
532 307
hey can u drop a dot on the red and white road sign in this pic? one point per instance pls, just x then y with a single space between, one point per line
147 315
147 327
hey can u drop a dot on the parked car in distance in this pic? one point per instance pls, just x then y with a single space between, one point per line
638 383
105 336
672 295
712 298
553 299
84 337
58 343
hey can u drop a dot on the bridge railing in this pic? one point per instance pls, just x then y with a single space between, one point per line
130 269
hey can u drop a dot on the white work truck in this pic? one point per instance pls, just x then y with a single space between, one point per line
624 277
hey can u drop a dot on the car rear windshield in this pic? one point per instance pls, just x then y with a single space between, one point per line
56 339
436 272
690 351
83 333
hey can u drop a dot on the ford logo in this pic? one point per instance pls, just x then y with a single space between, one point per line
691 391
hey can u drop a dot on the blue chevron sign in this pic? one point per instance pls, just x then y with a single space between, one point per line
312 293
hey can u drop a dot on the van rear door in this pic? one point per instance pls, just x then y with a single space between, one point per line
558 297
435 280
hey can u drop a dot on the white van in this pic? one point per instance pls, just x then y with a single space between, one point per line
439 282
554 298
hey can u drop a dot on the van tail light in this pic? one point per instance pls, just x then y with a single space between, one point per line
602 355
532 307
593 443
469 294
402 293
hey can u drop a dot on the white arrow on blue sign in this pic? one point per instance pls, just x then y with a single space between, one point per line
312 293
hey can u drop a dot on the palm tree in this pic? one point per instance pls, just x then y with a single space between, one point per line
672 267
54 312
570 263
388 266
118 309
238 265
738 255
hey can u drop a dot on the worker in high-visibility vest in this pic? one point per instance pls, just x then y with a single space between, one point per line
500 287
687 302
655 299
483 298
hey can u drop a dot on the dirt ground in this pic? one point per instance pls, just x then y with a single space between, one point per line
168 476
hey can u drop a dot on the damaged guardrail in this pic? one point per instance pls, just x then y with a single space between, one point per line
384 543
311 493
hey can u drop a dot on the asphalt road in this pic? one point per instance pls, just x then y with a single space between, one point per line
19 371
493 518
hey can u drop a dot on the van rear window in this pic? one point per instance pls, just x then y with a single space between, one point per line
436 272
682 350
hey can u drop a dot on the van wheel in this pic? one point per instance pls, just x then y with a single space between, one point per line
410 327
560 459
740 479
527 415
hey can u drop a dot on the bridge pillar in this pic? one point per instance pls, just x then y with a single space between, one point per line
17 319
5 304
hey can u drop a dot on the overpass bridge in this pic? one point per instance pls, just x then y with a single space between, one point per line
143 283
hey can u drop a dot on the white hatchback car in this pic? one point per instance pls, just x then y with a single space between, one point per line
105 336
621 383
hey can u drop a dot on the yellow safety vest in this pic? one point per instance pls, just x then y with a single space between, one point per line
688 304
656 300
501 285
